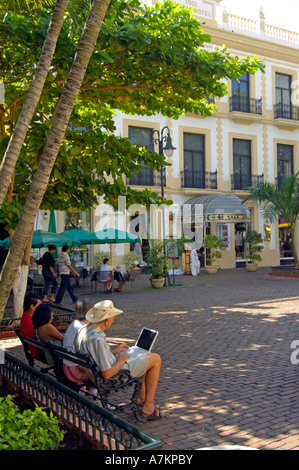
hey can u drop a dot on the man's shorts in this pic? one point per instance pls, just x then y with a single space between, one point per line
137 366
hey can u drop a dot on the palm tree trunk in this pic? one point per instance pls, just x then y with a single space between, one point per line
39 185
15 144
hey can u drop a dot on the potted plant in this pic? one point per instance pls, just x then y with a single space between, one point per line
158 263
213 243
254 246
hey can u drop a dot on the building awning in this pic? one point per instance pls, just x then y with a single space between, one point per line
224 208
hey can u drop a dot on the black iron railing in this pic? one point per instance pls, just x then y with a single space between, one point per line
286 111
243 181
198 179
245 105
147 177
90 419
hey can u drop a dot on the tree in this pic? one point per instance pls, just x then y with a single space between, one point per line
56 134
279 201
145 61
13 149
32 97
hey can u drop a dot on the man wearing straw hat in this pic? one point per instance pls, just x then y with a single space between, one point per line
91 339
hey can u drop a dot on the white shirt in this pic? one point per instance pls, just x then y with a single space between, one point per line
68 340
104 267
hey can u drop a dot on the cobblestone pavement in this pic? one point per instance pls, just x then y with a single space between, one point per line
225 340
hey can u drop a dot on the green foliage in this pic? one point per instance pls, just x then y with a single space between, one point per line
279 201
130 257
157 259
10 213
146 61
100 256
213 244
30 430
253 242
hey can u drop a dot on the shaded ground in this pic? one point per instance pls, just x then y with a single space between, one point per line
225 342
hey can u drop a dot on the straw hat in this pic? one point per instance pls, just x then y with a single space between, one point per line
101 311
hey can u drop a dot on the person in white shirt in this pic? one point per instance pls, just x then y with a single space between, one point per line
105 268
195 263
73 372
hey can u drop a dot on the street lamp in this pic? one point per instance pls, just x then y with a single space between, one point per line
165 145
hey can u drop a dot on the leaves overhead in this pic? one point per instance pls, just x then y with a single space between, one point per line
147 61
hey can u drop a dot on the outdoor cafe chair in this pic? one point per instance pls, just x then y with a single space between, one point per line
105 277
135 278
38 284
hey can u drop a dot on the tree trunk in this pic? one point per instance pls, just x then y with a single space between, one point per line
16 141
19 290
39 185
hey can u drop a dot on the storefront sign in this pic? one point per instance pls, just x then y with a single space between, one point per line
226 217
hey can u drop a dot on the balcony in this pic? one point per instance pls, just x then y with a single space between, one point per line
243 181
286 111
198 179
245 105
146 177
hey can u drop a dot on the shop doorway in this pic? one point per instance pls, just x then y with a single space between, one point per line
240 230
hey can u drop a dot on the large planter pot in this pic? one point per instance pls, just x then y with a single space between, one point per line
212 269
252 267
157 283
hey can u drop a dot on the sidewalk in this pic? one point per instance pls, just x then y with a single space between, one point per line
224 339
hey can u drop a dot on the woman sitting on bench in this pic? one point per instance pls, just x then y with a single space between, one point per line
42 324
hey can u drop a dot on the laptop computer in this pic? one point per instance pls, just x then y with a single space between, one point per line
143 344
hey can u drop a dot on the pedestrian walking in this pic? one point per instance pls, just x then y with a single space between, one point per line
48 271
65 268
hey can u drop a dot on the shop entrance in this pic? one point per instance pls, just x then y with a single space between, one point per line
240 230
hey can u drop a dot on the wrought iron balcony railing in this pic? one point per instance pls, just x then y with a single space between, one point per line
243 181
286 111
198 179
245 105
147 177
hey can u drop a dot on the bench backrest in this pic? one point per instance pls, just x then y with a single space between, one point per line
83 360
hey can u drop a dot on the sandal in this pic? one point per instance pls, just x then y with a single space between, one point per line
156 414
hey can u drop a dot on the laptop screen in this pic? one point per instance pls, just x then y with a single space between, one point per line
146 338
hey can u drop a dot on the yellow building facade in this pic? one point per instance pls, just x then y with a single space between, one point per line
252 136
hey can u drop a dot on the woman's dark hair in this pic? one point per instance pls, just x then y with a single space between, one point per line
41 316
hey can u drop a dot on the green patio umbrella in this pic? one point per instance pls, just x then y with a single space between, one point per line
79 237
5 243
52 222
41 239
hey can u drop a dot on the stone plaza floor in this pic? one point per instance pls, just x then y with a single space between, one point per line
227 375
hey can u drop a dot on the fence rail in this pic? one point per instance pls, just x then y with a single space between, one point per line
87 417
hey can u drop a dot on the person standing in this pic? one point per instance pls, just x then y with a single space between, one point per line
65 268
195 264
48 272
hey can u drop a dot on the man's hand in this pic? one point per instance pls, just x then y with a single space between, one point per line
118 349
122 358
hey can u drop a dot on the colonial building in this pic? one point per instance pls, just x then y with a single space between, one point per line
252 136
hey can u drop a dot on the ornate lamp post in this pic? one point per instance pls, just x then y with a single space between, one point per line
165 145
